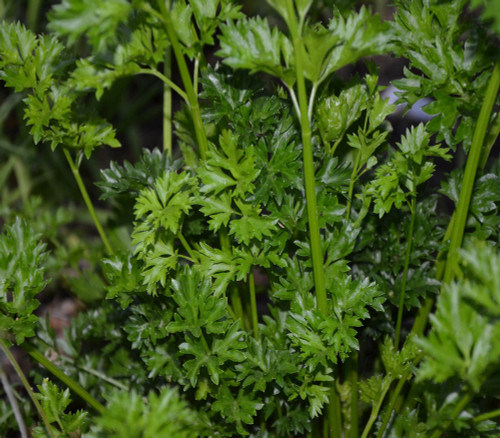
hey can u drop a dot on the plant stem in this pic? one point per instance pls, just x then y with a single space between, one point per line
392 403
312 210
13 403
311 203
187 247
375 410
470 174
234 292
351 184
88 202
192 97
409 244
167 103
487 416
68 381
458 408
253 304
166 81
351 368
98 374
460 215
32 13
334 414
27 386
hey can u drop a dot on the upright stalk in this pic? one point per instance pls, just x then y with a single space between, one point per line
253 304
192 96
312 209
462 210
333 411
27 386
470 174
13 404
88 201
167 104
351 369
402 293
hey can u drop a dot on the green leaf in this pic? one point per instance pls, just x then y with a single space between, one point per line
251 44
240 409
163 414
98 20
462 342
22 269
54 403
199 307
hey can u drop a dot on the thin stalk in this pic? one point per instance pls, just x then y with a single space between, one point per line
459 217
98 374
187 247
312 210
351 184
234 293
375 411
351 368
32 13
456 411
392 403
166 80
470 174
167 103
253 304
88 202
487 416
409 245
312 97
490 140
27 386
13 403
192 97
68 381
311 202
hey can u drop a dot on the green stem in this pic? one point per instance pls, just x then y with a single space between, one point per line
167 103
470 174
490 140
237 306
487 416
334 414
390 407
68 381
409 244
312 210
98 374
13 404
253 304
352 377
456 411
192 97
375 411
351 184
88 202
187 247
32 14
456 227
27 386
166 81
